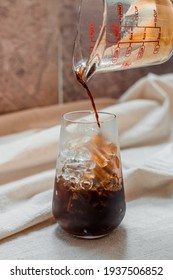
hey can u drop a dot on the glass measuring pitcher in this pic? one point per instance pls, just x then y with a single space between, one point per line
88 199
116 35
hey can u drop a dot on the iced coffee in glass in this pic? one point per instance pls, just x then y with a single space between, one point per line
88 199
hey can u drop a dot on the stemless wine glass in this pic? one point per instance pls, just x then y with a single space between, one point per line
88 199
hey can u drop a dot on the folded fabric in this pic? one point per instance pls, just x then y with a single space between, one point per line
144 114
27 160
152 177
25 203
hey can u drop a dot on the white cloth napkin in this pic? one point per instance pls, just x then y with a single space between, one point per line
27 160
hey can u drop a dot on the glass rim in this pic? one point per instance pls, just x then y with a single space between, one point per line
89 112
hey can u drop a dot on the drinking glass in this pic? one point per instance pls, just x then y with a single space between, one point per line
89 199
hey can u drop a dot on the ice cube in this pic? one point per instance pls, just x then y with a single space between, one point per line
111 167
97 156
83 154
85 128
101 173
71 184
109 184
106 147
101 150
68 154
88 174
117 160
70 172
86 184
82 127
74 144
109 149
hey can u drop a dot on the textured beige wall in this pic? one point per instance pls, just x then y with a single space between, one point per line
28 54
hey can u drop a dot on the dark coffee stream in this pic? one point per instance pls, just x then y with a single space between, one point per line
79 78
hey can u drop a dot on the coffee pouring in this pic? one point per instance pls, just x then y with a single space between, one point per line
117 35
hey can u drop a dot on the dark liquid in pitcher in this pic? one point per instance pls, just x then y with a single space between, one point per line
94 212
